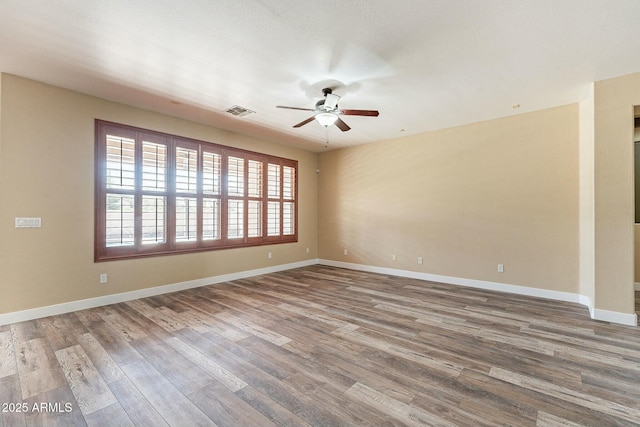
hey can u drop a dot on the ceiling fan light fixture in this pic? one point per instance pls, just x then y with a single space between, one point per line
326 119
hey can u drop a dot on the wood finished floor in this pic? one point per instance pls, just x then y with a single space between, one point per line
322 346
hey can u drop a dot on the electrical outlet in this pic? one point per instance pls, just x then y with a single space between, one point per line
419 260
500 268
307 250
346 252
394 257
269 255
103 278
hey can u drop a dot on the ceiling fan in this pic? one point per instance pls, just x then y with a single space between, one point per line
327 112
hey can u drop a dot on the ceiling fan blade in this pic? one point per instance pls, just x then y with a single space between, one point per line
310 119
342 125
295 108
373 113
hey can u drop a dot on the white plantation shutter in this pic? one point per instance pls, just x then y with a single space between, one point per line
211 219
186 219
211 173
154 219
235 177
235 219
235 192
120 170
273 219
120 185
281 208
288 218
288 182
120 217
212 193
186 169
254 202
288 200
273 177
154 166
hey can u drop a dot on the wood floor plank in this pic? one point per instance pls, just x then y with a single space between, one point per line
498 393
229 332
88 387
136 405
112 415
219 373
159 315
38 367
485 410
253 328
171 404
58 333
139 321
111 340
271 366
129 330
613 384
627 412
56 407
216 348
270 408
26 331
100 358
325 395
444 367
320 373
226 409
7 355
383 379
179 370
401 411
287 397
10 395
549 420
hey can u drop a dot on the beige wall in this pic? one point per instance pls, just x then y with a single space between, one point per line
636 228
465 199
47 171
636 247
587 208
613 191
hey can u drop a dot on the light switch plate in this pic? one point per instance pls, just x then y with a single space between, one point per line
22 222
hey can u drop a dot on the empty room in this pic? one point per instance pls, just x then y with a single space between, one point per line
378 213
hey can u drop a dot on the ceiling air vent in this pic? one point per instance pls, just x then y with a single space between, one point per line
239 111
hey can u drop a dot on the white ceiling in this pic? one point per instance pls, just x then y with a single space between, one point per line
424 64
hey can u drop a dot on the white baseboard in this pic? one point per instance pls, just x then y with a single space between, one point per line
615 317
596 314
51 310
472 283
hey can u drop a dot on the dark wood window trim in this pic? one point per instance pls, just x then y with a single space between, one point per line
162 194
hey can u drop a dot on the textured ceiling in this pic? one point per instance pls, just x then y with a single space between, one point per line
424 64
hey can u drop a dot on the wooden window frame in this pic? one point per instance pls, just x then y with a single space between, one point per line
103 252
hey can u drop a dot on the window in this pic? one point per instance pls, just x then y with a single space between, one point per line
160 194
